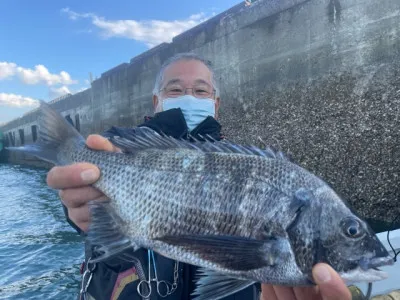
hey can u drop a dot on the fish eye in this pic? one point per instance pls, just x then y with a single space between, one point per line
352 228
352 231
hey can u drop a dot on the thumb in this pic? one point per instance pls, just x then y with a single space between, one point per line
97 142
330 285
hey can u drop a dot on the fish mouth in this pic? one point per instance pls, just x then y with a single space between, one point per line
375 263
368 270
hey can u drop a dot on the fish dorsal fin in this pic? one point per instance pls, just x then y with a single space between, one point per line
214 285
146 138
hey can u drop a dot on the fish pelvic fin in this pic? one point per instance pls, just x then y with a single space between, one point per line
215 285
105 232
56 140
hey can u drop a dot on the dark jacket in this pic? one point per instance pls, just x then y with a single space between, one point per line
117 278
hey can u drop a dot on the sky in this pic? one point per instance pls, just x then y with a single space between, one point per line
48 48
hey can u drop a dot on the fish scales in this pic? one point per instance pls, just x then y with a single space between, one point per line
236 185
245 214
154 186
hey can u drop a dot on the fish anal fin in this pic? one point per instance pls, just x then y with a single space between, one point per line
214 285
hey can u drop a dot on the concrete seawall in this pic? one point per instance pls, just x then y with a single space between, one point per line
317 79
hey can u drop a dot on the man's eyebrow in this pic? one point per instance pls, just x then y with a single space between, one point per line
177 80
172 81
201 81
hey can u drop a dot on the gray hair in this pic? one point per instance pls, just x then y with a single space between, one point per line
179 57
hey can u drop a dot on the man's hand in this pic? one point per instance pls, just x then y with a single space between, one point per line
329 287
74 181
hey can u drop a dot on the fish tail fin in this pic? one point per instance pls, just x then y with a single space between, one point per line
57 138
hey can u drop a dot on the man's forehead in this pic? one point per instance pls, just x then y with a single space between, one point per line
187 71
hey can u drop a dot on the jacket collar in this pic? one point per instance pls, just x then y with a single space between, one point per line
172 123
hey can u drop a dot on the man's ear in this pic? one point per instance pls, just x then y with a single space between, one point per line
155 102
217 101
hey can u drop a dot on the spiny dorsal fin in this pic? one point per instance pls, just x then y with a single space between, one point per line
146 138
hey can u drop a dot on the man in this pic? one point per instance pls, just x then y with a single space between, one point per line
186 101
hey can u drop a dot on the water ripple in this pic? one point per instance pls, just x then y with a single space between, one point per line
40 253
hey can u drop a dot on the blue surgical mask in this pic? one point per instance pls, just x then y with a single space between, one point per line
194 110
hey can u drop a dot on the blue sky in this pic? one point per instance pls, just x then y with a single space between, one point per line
48 48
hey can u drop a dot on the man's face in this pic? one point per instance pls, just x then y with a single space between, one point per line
186 74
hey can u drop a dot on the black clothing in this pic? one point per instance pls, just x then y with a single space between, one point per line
172 123
103 282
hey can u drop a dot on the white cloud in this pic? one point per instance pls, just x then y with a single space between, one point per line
150 32
7 69
74 15
58 92
63 90
12 100
18 101
42 75
39 75
81 89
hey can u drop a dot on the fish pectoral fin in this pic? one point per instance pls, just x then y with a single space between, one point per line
231 252
214 285
302 200
105 234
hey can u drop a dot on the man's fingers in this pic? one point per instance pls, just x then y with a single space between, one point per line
79 215
79 174
73 198
331 286
307 293
268 292
284 292
98 142
84 226
72 176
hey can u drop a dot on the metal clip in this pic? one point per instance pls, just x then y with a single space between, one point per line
86 280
